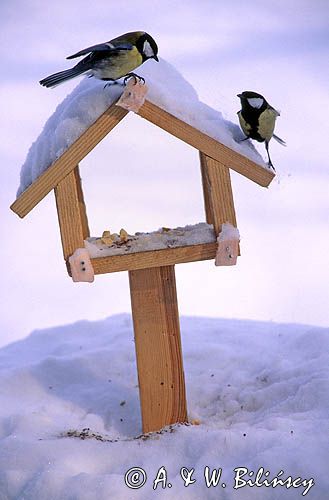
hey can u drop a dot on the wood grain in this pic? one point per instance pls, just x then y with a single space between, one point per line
82 205
218 195
49 179
69 216
158 347
155 258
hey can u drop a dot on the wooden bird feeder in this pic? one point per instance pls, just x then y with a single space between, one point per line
151 272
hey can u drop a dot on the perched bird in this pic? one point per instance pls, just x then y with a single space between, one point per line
257 119
111 60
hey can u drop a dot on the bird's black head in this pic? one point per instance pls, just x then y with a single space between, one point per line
252 101
147 47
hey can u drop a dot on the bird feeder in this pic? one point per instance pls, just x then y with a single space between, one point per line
151 272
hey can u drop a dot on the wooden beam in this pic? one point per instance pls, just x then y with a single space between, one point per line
158 347
218 195
72 227
208 206
68 161
208 145
82 205
155 258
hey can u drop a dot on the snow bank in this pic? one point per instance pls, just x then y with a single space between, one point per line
167 88
259 391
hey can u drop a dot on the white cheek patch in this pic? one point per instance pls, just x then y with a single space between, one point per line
256 102
147 49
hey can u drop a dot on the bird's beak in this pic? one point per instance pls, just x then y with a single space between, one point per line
239 95
156 58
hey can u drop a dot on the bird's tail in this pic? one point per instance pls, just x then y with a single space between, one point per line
62 76
280 141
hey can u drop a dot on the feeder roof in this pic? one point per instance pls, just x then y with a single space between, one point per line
90 112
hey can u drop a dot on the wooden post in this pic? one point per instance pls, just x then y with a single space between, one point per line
71 211
217 190
158 347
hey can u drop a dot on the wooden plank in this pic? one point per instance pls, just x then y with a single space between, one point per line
206 189
206 144
82 205
68 210
155 258
68 161
158 347
218 195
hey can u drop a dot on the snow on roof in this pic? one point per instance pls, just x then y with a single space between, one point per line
167 88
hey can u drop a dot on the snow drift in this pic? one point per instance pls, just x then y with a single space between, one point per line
70 423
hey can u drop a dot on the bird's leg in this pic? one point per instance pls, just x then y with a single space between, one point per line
269 158
137 78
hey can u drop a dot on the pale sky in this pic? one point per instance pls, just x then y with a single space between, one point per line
279 49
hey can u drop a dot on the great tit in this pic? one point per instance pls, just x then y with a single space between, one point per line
257 119
110 60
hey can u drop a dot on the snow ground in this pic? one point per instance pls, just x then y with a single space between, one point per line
259 390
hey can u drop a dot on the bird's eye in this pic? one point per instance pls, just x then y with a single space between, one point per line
256 102
147 49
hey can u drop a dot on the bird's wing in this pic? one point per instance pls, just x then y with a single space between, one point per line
246 127
103 47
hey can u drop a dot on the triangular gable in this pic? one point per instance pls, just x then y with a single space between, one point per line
49 179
